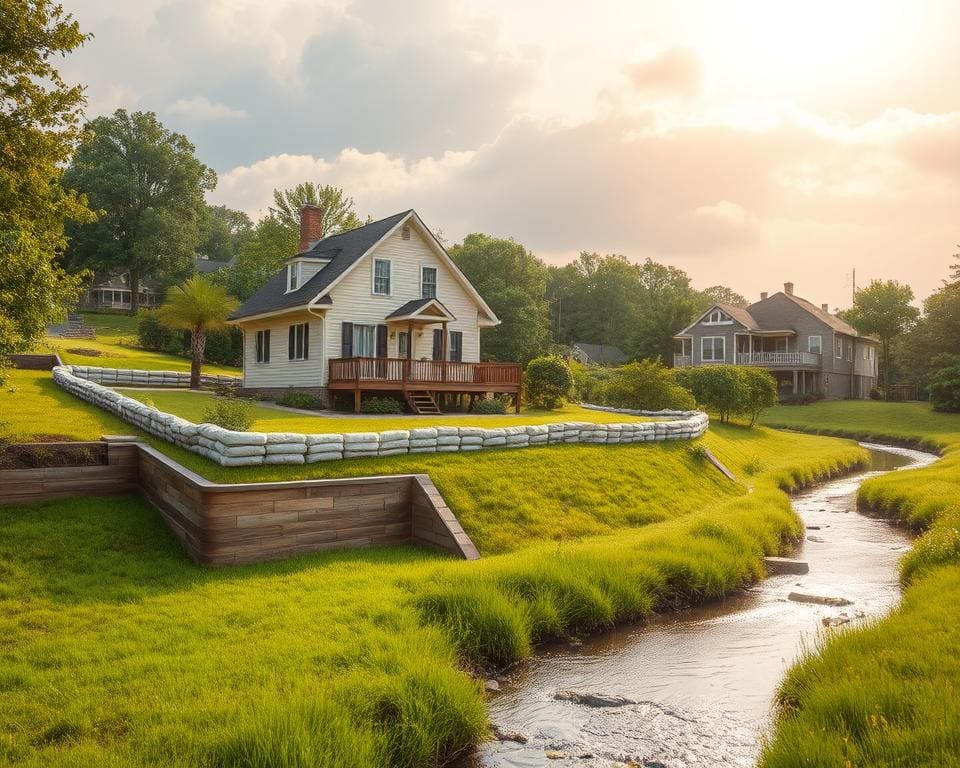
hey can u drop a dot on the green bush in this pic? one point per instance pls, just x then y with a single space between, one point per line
230 413
730 390
294 398
223 347
152 335
646 385
381 405
491 406
945 384
547 382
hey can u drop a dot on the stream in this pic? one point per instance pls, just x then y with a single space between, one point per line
697 686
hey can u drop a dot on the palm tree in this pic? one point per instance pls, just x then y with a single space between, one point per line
198 306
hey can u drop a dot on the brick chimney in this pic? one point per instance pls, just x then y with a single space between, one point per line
311 226
825 307
788 289
763 295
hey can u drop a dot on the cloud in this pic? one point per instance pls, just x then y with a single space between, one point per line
201 109
799 200
673 72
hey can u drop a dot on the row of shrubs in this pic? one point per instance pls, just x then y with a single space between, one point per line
727 390
223 347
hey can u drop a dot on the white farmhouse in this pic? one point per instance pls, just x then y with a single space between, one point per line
378 309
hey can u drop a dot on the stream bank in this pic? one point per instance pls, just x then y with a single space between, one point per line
695 687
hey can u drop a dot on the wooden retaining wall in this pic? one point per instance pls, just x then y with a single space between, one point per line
35 362
223 524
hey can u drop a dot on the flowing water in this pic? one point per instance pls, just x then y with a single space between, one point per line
700 683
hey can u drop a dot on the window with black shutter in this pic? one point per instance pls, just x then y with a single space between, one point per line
437 344
456 346
346 339
381 341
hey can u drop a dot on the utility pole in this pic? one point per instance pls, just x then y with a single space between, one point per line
854 284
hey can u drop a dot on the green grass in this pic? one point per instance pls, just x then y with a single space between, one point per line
116 342
887 695
116 650
191 406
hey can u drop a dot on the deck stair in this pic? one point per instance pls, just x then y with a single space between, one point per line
422 402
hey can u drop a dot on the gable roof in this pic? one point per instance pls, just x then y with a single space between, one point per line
343 252
739 314
413 309
834 322
601 353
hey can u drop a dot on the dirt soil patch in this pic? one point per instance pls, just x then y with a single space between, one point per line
38 456
85 352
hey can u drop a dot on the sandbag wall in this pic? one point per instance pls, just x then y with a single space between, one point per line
122 377
235 449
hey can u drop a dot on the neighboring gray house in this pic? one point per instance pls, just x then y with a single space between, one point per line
806 348
112 291
597 354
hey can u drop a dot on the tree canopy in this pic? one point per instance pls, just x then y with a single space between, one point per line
338 213
40 116
883 309
223 233
513 282
148 187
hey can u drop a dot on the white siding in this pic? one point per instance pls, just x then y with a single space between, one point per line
355 302
281 371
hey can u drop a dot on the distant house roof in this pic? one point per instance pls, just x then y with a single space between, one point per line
602 354
342 250
119 281
836 323
748 321
207 266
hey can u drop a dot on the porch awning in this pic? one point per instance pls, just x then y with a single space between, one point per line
428 310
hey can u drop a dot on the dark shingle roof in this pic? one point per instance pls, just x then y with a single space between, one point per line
602 353
343 250
834 322
741 315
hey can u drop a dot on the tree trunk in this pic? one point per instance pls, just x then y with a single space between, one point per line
134 291
198 342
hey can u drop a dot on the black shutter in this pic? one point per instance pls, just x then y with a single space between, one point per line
266 346
381 341
306 341
346 339
437 344
291 342
456 346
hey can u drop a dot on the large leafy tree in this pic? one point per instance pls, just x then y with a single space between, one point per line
338 213
666 304
40 118
198 306
148 187
883 309
513 282
721 294
224 232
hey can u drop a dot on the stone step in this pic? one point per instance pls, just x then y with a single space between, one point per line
781 565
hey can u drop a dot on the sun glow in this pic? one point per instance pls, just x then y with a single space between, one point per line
776 46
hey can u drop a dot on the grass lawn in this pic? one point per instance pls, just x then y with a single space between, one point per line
116 650
887 695
192 405
116 344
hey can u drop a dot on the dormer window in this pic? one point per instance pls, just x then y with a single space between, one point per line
717 317
293 276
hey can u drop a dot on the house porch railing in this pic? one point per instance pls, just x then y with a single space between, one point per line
361 371
778 358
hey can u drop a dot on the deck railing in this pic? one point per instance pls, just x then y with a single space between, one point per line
397 370
778 358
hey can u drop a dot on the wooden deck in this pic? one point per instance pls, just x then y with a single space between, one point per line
383 374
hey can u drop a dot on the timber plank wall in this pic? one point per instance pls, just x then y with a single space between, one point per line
224 524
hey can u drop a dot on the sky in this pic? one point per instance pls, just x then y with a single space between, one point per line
748 142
